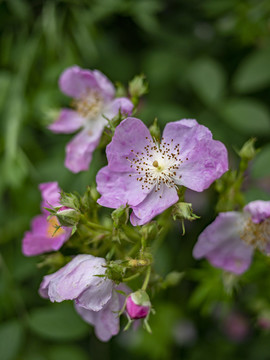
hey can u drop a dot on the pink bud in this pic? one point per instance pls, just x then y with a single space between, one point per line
138 305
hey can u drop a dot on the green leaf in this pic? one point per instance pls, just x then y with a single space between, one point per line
67 352
207 79
58 322
248 116
253 73
260 165
11 334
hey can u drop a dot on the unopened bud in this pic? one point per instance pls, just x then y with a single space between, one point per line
155 130
248 150
150 231
67 216
138 86
138 305
120 216
183 211
173 278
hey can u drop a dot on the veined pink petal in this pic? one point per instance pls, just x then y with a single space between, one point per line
118 189
221 244
80 149
155 203
75 81
131 134
204 159
68 122
259 210
39 241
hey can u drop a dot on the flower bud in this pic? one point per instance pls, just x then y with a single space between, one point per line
155 130
120 216
138 86
67 216
138 305
150 231
248 150
183 211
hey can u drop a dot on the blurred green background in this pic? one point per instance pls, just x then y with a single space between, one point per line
208 60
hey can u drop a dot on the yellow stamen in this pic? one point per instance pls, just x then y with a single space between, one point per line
52 226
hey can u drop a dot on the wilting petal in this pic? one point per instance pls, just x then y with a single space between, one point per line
68 122
259 210
221 244
105 321
131 134
124 105
75 81
77 277
39 239
204 159
119 189
80 149
155 203
105 85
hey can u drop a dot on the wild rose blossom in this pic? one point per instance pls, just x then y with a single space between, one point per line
230 240
145 174
96 299
43 236
94 99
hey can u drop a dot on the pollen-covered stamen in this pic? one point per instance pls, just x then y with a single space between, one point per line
90 104
156 164
256 235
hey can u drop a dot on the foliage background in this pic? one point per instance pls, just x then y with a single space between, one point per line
206 60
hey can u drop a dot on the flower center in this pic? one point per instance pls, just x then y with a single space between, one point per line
256 235
156 164
52 226
89 105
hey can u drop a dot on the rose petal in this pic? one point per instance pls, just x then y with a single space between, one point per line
123 104
131 134
105 321
68 122
221 244
80 149
259 210
119 189
75 81
155 203
50 193
75 278
204 159
105 85
38 241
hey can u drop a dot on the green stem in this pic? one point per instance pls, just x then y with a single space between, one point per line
147 278
131 277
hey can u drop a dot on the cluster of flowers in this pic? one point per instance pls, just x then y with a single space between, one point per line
145 174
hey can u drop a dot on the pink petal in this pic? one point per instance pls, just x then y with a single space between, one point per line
75 81
155 203
105 321
204 159
38 241
68 122
124 105
50 193
105 85
80 149
131 134
221 244
74 279
119 189
259 210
